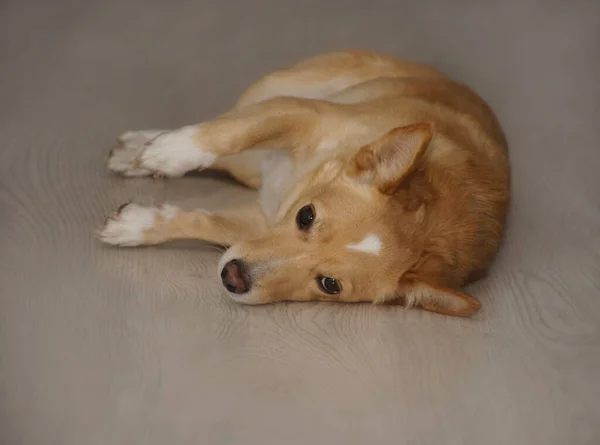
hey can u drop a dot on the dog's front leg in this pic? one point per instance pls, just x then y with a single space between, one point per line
135 225
287 123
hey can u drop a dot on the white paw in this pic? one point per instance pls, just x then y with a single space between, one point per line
176 153
126 227
124 157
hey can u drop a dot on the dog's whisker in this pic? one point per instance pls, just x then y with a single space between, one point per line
217 248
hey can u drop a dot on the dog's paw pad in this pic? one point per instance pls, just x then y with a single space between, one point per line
126 226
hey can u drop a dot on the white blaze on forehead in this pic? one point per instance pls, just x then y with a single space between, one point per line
371 244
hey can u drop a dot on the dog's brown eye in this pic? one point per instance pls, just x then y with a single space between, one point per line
328 285
305 217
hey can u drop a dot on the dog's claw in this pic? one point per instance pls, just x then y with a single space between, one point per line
121 207
112 217
116 214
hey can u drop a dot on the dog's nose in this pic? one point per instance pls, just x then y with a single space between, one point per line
235 278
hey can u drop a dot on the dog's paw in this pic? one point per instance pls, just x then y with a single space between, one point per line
175 153
127 225
124 156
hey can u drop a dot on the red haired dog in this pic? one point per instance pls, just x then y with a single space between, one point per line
380 180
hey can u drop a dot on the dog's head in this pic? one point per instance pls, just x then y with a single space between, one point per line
363 229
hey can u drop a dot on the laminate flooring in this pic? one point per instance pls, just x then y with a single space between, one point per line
113 346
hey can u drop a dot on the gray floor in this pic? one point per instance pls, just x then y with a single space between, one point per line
104 346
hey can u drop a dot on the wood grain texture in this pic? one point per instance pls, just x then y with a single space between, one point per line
141 346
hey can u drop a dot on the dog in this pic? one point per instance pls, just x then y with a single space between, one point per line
380 180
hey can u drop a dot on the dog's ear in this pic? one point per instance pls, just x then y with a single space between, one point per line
387 161
443 301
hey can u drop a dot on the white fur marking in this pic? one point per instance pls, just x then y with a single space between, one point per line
371 244
176 153
127 228
168 211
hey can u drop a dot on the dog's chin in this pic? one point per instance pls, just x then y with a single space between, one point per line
249 298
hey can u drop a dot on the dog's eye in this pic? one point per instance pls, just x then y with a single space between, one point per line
305 217
328 285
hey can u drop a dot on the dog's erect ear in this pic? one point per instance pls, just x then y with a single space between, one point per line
387 161
440 300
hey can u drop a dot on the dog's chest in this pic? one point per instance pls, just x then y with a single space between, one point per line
278 177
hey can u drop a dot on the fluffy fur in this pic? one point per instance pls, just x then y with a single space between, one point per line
405 170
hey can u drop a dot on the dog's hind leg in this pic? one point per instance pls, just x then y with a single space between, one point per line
322 76
293 124
124 159
135 225
315 78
